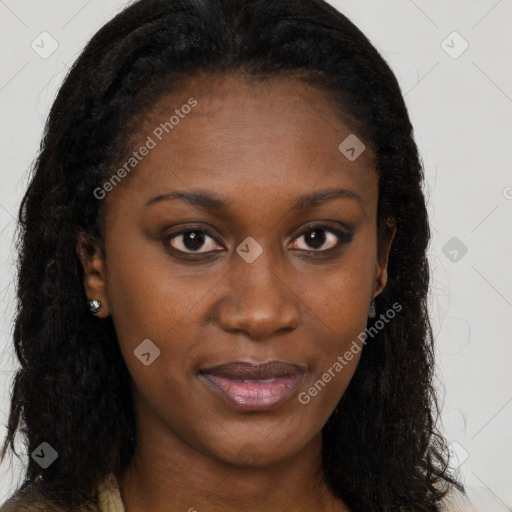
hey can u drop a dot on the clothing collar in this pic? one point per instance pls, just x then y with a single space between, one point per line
110 495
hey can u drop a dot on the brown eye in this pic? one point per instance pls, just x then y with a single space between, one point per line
321 238
192 241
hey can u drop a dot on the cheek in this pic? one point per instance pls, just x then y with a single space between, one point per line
337 355
339 297
338 308
147 303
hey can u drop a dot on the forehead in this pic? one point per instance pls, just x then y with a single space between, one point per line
273 138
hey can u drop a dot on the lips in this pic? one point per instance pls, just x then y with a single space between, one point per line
249 386
243 370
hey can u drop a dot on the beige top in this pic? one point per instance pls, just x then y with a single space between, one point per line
477 500
28 500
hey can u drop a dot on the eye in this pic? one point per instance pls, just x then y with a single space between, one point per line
317 238
191 240
322 237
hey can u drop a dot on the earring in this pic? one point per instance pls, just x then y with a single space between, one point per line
371 312
94 306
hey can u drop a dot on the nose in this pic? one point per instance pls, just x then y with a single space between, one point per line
260 301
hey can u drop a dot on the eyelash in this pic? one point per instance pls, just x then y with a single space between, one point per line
344 236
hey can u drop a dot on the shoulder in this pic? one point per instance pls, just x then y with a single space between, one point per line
475 499
29 499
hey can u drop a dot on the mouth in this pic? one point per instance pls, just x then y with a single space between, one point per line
254 387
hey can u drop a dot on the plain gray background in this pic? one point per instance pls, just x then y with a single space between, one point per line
460 103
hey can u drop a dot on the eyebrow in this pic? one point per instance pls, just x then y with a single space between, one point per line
214 202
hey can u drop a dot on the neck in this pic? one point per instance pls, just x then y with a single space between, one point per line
174 477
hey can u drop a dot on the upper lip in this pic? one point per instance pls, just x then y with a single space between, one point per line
246 370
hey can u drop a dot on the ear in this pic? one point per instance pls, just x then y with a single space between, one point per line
385 238
93 265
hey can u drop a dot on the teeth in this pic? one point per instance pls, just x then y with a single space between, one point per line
261 381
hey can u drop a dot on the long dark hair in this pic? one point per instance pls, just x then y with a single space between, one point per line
381 447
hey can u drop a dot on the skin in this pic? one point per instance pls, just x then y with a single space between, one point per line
261 145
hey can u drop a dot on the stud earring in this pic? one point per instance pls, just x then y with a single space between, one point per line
94 306
371 312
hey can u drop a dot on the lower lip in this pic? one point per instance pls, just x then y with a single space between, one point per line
254 395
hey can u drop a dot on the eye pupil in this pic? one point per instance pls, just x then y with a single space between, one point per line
313 239
193 240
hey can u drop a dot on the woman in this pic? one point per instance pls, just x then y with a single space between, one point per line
223 275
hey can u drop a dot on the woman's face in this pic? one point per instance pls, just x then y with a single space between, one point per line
230 269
